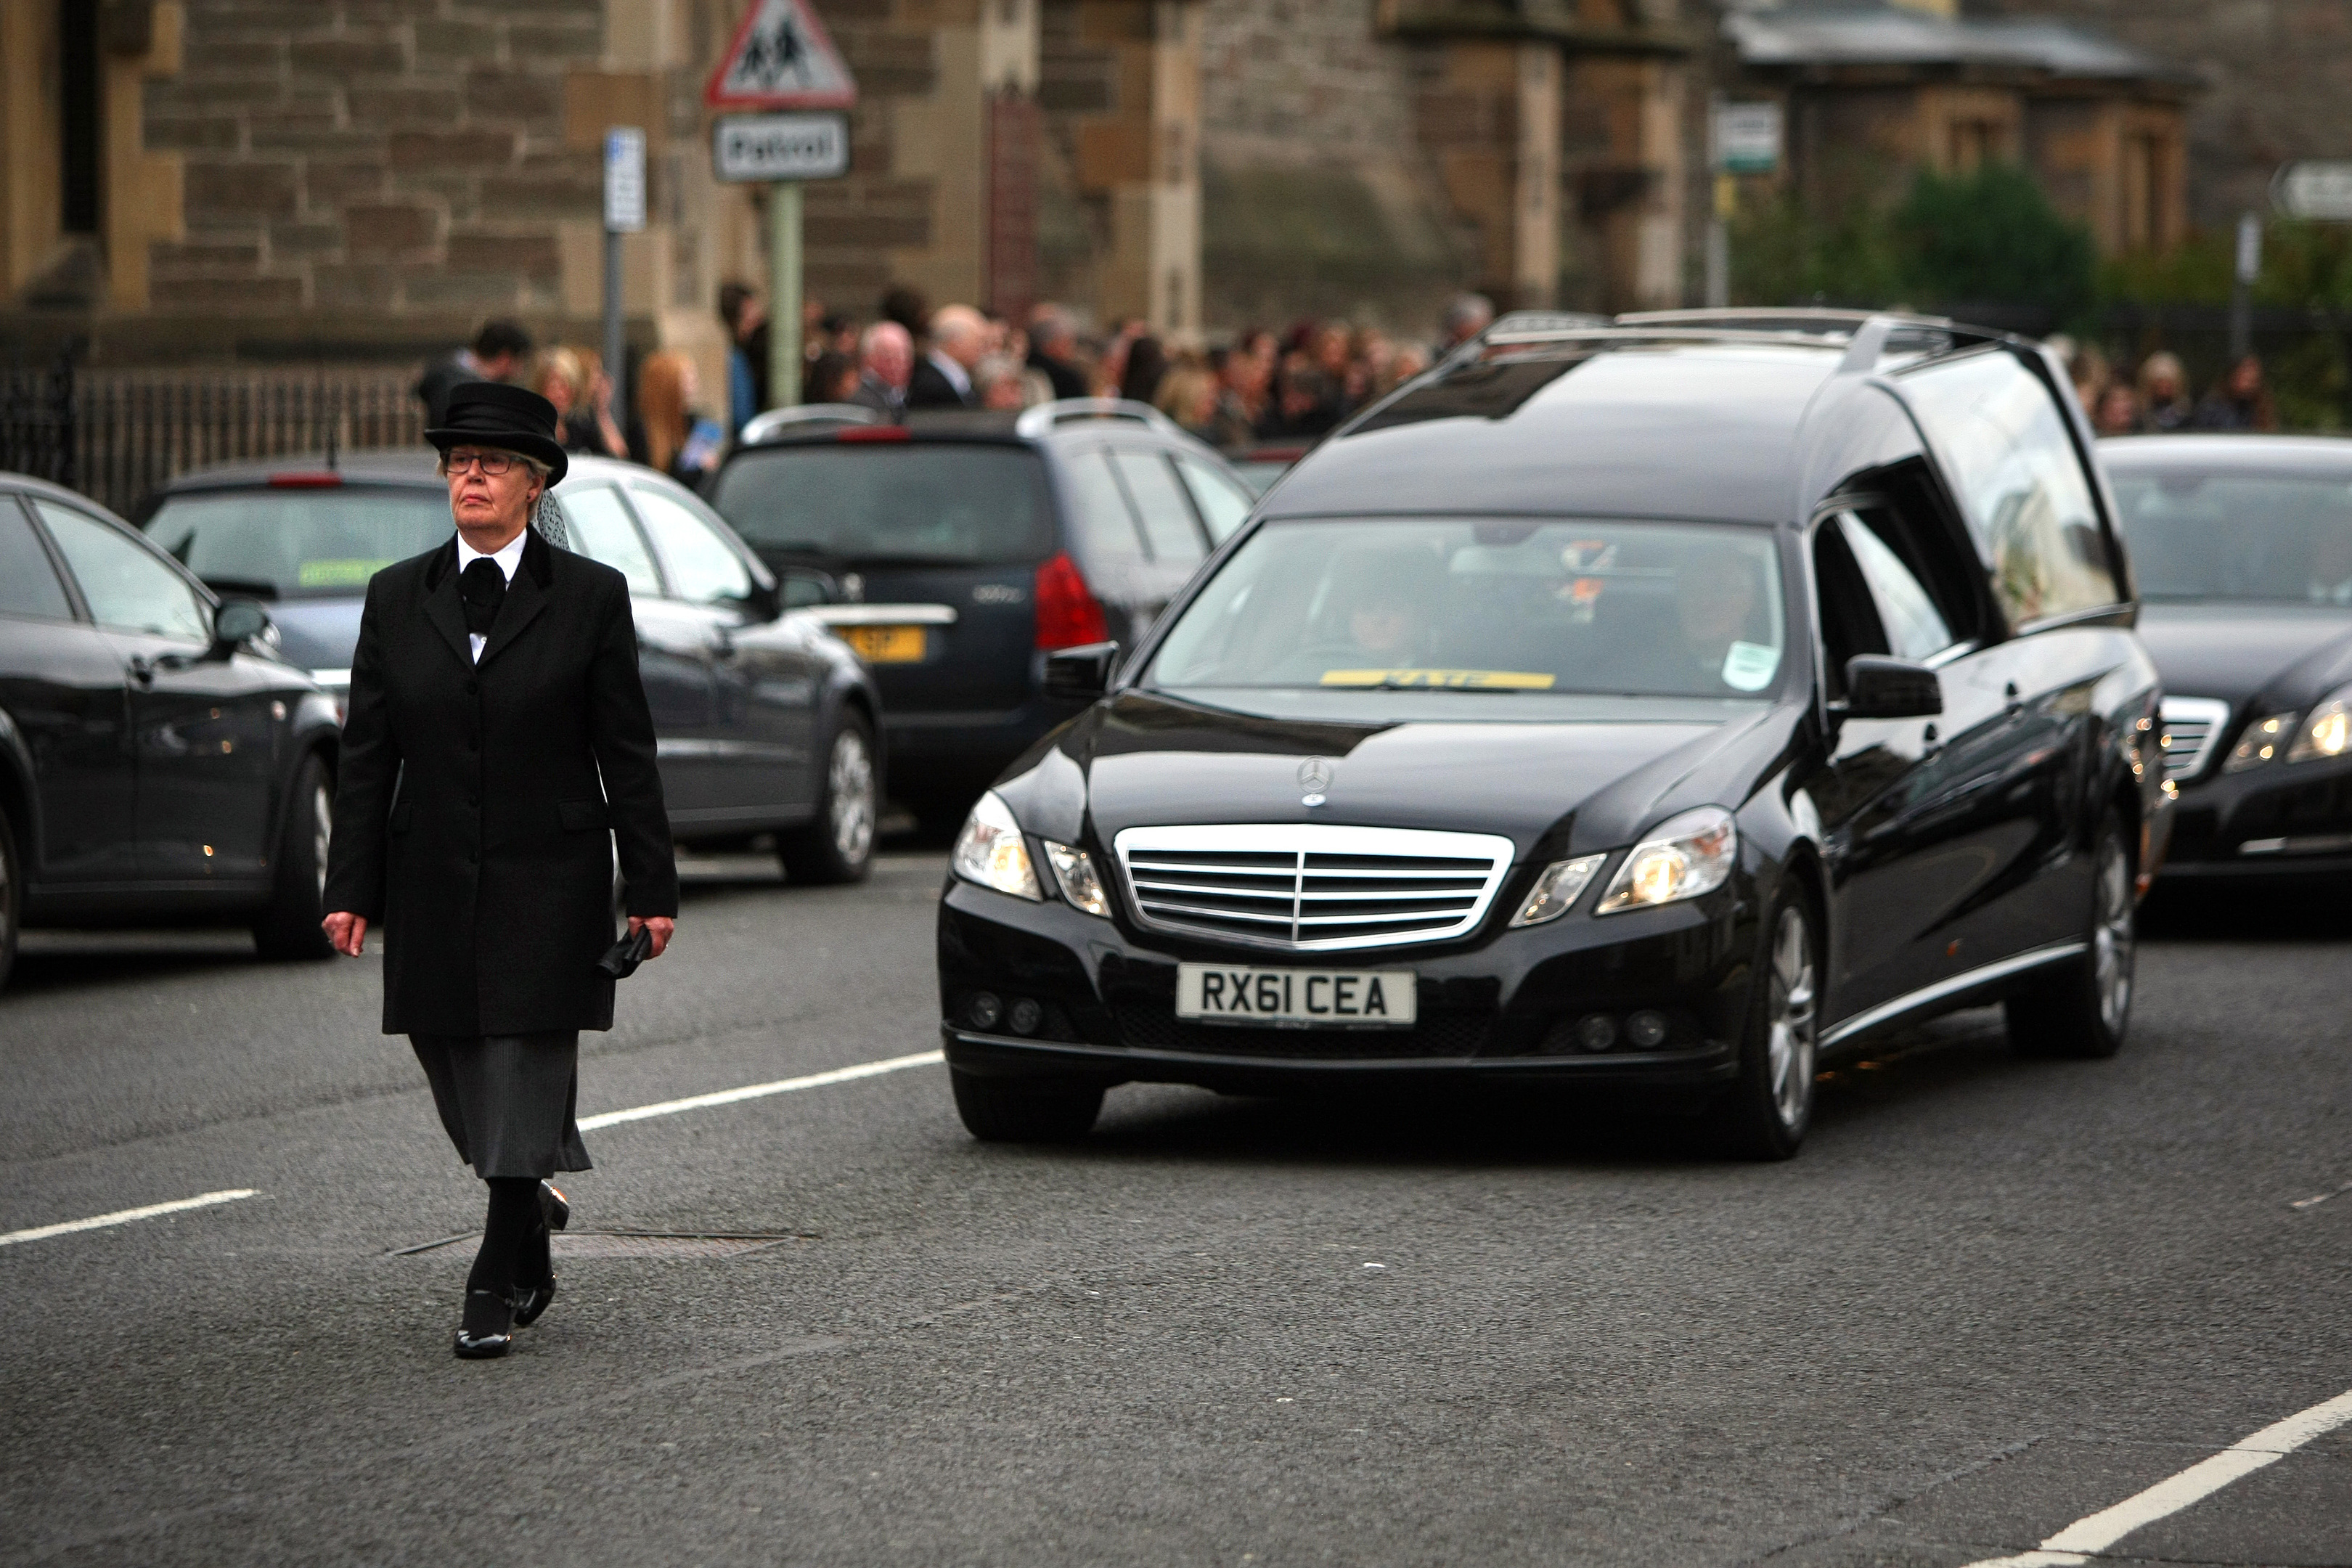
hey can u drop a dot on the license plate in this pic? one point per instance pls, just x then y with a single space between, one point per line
1346 998
884 644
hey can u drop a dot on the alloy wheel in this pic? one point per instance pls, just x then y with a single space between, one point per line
849 787
1793 1019
2112 938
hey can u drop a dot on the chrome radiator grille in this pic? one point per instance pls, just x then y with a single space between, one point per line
2192 726
1311 886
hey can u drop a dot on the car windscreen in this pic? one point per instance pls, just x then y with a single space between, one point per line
1683 610
955 504
298 543
2270 537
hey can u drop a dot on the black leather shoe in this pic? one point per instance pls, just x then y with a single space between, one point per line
554 1205
531 1303
488 1328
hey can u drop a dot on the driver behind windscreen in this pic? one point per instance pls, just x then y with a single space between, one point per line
1380 599
1717 595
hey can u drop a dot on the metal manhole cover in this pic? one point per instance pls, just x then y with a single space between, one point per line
630 1244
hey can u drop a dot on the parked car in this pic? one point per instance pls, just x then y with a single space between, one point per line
968 546
160 762
766 720
1662 706
2244 548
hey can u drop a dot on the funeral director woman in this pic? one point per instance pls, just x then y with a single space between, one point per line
498 747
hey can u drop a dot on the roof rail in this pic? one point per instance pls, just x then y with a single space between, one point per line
781 421
1046 416
1884 330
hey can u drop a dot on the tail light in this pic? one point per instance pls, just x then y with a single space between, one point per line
1068 612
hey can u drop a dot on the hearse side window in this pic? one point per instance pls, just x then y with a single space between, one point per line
127 589
1913 626
702 569
1849 611
2020 486
28 582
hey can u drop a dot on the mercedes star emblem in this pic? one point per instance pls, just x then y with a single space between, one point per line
1314 777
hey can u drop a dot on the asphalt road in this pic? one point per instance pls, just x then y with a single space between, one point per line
1992 1297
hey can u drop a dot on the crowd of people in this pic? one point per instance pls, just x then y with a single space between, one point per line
2156 399
1260 387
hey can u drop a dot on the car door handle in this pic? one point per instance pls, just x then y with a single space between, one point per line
2010 698
143 670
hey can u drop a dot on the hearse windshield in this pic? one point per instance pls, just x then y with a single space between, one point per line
298 543
1492 606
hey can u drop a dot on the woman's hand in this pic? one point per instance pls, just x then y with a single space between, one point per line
347 933
662 926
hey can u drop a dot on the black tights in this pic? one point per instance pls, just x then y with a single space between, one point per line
514 1253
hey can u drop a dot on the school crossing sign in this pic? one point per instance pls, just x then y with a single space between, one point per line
782 58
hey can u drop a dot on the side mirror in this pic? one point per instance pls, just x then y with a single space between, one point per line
799 588
236 623
1880 687
1080 674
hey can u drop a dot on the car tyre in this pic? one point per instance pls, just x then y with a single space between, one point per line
289 927
12 898
1026 1110
838 846
2082 1009
1766 1112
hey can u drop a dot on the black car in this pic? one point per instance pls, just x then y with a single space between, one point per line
1658 705
160 763
765 719
2243 547
968 546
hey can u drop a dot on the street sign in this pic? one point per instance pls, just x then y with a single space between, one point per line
1748 138
782 58
2314 189
624 180
781 146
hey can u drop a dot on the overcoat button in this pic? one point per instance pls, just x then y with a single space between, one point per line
473 688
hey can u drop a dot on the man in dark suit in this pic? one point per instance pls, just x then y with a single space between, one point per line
942 377
497 352
497 744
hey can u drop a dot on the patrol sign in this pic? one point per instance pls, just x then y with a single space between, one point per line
765 147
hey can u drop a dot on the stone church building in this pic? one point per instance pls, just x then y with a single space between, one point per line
252 180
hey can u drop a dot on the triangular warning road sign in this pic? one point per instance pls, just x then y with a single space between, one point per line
782 58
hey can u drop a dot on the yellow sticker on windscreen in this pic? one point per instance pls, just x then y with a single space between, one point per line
1455 680
338 573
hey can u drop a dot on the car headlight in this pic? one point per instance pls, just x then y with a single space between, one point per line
990 850
1074 872
1684 856
2327 732
2263 739
1556 890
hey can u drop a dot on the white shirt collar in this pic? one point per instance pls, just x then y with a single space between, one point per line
509 557
958 377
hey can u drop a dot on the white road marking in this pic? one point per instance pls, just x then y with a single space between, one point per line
124 1216
760 1090
2100 1530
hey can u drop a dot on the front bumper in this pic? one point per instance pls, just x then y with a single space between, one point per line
1498 1008
2281 820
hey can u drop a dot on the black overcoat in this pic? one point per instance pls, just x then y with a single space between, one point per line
470 822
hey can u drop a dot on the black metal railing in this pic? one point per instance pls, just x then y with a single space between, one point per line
116 436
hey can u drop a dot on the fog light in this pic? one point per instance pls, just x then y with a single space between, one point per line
1026 1017
1646 1029
1596 1032
986 1010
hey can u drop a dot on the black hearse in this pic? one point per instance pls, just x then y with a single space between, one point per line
1666 703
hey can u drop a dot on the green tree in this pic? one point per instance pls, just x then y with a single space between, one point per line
1993 237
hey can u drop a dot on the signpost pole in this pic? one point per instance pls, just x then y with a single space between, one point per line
2241 292
624 212
783 294
616 343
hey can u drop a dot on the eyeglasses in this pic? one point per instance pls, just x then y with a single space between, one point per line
496 465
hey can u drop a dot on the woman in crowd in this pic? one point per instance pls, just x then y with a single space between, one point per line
669 433
2241 401
1188 394
2165 404
2118 410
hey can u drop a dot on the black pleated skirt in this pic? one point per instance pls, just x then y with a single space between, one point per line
508 1100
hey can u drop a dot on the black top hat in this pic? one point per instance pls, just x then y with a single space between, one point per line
509 418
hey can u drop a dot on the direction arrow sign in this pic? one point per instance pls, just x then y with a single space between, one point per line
2314 190
782 58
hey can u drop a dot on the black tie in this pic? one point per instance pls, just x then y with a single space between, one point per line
483 587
